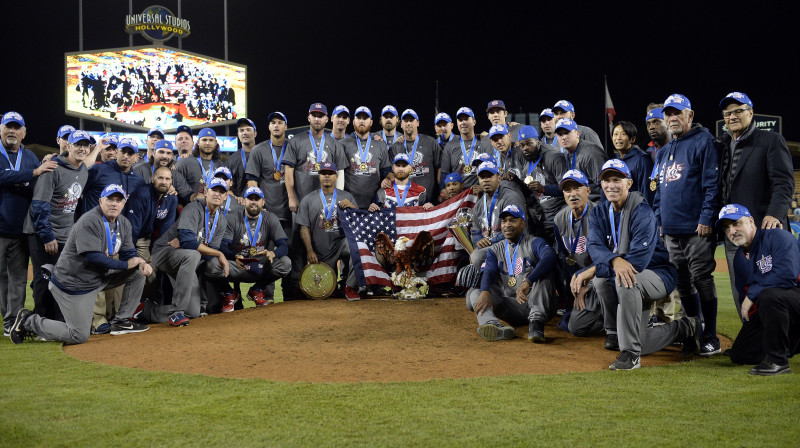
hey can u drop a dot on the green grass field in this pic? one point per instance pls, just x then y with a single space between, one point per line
49 399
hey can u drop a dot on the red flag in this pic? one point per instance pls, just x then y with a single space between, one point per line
610 111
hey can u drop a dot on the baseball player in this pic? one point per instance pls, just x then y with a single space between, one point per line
517 284
62 138
388 133
163 156
86 267
403 192
497 114
340 119
425 153
232 203
547 122
582 155
631 269
565 109
443 125
368 160
199 168
237 162
509 161
458 153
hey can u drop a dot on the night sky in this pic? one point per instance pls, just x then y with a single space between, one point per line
368 53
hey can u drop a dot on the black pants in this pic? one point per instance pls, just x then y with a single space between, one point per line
773 332
44 303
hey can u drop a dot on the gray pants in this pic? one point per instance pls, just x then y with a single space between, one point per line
269 291
78 309
693 256
730 251
348 274
181 267
13 276
541 306
279 268
589 320
478 256
629 309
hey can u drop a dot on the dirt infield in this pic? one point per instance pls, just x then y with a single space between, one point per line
340 341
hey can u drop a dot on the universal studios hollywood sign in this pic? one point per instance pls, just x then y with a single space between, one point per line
157 24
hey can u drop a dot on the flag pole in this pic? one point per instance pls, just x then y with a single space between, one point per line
605 116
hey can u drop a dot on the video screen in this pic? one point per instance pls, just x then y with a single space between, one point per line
147 87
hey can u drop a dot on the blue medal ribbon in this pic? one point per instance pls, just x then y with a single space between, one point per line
531 168
574 154
14 166
615 230
490 211
244 160
467 158
509 264
277 161
227 206
573 244
111 238
364 152
394 137
402 201
317 151
206 174
328 209
210 234
254 237
655 166
413 153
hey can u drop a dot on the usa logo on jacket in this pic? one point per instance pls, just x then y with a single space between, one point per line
765 263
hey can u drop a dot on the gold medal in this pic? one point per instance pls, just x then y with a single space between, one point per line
253 251
328 225
364 167
528 180
670 157
316 167
467 169
512 281
277 176
653 185
571 259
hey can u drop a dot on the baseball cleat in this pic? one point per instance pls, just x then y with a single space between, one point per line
178 320
536 332
626 361
127 326
18 333
496 332
769 368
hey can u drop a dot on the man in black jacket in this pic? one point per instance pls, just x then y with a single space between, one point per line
755 171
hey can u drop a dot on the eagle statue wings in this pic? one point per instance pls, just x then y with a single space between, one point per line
402 257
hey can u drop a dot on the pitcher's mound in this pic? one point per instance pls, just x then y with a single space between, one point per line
340 341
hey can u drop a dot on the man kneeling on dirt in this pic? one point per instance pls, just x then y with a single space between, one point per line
517 285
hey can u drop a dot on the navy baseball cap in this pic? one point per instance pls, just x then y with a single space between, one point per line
677 101
163 144
132 144
482 157
64 131
155 130
327 166
513 210
441 116
655 112
278 115
318 107
225 171
615 165
389 109
113 189
546 112
498 129
527 132
409 112
734 212
79 136
566 123
453 177
363 110
184 128
206 132
253 191
12 117
341 109
217 182
465 111
495 104
564 105
246 122
402 157
488 166
574 175
735 97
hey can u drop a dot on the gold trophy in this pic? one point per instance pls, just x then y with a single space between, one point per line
460 228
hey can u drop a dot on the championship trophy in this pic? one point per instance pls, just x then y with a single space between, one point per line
460 227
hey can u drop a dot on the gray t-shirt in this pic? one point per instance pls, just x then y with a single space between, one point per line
453 158
194 175
490 227
301 155
89 235
61 188
193 219
512 161
262 165
426 162
548 171
589 159
146 171
327 236
363 184
269 232
234 163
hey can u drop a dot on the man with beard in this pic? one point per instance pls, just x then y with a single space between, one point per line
19 167
402 191
184 142
458 154
444 129
249 234
624 140
571 227
540 176
425 154
86 267
237 162
565 109
198 231
581 155
368 160
163 156
631 269
321 229
766 265
486 213
198 170
52 215
115 171
517 284
388 133
340 118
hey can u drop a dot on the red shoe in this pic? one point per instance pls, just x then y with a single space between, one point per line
257 295
351 294
228 300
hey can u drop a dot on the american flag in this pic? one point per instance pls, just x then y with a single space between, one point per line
361 228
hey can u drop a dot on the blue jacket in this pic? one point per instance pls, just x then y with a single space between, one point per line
645 251
150 213
773 262
688 170
641 166
16 190
103 174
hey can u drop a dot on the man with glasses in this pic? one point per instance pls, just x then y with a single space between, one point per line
755 171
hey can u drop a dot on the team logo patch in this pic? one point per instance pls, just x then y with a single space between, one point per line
765 263
730 208
673 173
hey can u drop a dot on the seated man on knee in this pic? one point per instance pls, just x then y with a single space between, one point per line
766 266
631 269
517 284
